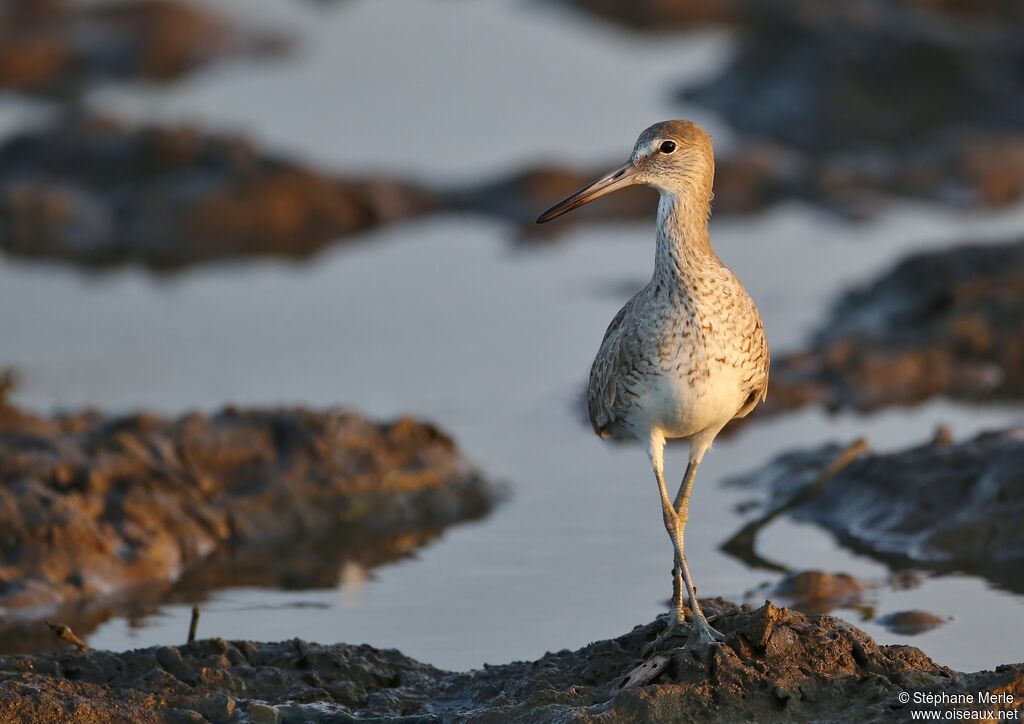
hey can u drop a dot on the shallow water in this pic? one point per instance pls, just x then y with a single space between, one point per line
443 319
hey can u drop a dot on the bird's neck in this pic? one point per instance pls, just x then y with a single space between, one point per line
684 247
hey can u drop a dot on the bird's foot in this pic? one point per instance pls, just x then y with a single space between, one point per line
675 629
677 639
702 633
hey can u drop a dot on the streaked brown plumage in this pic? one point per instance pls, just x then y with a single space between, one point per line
687 353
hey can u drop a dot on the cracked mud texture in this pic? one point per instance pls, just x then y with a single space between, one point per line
940 323
58 48
942 507
97 192
775 665
101 515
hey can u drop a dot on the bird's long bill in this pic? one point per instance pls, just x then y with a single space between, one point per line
623 176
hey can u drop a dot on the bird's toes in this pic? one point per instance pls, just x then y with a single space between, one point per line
703 634
668 639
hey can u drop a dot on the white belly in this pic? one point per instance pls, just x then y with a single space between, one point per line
680 409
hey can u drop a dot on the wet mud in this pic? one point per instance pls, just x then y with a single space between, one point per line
942 507
58 49
943 323
96 192
775 665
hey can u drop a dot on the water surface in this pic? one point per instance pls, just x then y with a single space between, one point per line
443 319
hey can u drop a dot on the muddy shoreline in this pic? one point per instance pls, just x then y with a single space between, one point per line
58 49
942 507
101 515
96 192
775 665
938 324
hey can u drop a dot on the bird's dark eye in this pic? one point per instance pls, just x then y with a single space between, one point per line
667 147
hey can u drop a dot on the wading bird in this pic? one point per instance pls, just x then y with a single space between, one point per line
687 354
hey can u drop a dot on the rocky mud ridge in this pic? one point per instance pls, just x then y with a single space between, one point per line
97 192
940 323
100 514
942 507
775 665
58 48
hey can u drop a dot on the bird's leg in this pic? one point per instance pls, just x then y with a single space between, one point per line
674 516
677 585
668 512
676 622
700 630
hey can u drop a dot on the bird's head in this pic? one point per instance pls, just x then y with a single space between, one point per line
671 156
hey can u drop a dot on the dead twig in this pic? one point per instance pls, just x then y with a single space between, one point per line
193 624
64 633
8 379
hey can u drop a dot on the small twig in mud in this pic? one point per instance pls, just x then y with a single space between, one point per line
64 633
741 544
8 379
193 624
943 436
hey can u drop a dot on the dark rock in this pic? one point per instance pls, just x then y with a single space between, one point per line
101 514
938 507
911 623
97 192
940 323
59 48
776 665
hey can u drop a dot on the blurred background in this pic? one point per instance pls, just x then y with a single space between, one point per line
329 202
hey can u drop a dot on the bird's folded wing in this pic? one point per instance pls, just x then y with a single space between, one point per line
609 372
